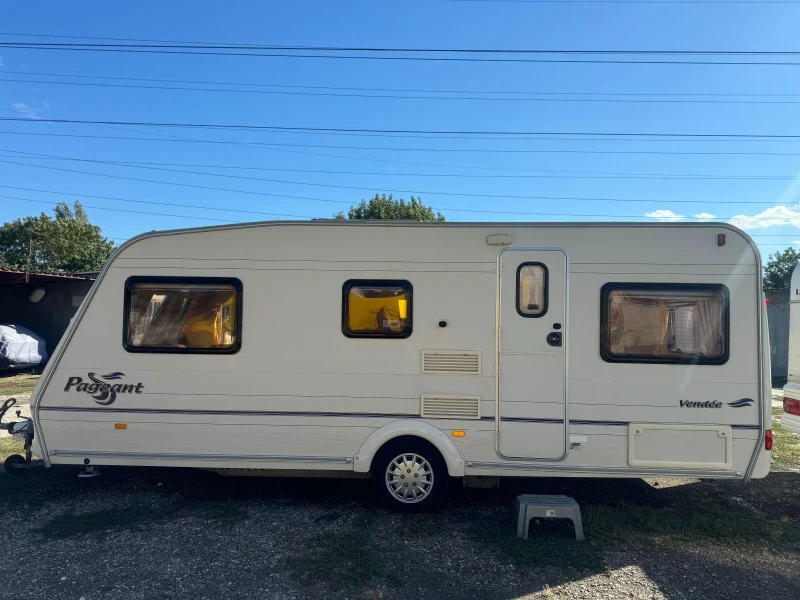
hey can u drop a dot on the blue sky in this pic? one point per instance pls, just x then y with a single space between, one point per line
564 179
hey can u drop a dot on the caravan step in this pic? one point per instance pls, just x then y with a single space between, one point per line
532 506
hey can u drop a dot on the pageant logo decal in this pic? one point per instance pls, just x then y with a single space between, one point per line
101 391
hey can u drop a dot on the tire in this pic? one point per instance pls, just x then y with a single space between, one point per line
424 467
14 464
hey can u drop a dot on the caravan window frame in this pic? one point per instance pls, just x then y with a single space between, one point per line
140 279
545 292
401 283
718 288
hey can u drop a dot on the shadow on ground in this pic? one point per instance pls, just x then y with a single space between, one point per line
709 539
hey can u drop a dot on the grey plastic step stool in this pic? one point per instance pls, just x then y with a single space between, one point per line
532 506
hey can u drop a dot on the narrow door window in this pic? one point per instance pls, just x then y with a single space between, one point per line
532 289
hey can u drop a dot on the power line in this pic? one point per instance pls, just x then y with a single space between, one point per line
268 146
395 90
428 135
498 212
638 134
544 173
379 49
138 212
654 2
225 208
262 54
280 181
400 97
371 190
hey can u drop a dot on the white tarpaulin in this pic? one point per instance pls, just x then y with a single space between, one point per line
20 348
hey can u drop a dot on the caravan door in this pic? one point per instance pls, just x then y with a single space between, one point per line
532 346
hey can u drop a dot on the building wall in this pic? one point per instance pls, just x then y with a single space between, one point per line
778 317
50 316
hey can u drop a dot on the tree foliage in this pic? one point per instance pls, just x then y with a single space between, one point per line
778 269
66 243
386 207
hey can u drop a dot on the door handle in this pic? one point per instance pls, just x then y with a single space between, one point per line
554 338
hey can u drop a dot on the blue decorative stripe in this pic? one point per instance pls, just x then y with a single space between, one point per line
275 413
605 423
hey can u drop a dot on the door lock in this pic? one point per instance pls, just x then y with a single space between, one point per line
554 338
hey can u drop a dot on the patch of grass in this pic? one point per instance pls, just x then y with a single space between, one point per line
98 522
551 543
341 559
19 383
786 446
9 446
617 523
714 521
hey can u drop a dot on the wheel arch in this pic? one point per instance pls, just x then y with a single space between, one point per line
362 462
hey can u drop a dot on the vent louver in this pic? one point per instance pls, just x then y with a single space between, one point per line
451 362
451 407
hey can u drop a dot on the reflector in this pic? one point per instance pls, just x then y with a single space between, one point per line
791 406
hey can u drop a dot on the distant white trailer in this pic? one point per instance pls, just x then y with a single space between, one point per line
790 419
419 352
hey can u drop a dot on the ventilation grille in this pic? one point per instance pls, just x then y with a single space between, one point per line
451 407
451 362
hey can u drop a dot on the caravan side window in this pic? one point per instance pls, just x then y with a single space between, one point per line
181 314
532 289
665 323
376 308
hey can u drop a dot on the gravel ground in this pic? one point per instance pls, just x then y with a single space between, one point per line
174 533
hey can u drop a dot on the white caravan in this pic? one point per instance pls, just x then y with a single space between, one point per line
790 419
417 351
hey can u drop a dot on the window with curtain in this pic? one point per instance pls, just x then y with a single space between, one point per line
376 308
665 323
182 315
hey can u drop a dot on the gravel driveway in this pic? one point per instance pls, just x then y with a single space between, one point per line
174 533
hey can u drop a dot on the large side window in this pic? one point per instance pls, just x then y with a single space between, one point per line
183 314
665 323
376 308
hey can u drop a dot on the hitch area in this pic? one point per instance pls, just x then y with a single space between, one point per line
19 430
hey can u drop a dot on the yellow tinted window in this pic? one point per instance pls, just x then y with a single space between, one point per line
377 309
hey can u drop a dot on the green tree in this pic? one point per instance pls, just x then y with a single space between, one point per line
386 207
66 243
779 268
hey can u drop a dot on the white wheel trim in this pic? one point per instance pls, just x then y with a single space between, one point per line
409 478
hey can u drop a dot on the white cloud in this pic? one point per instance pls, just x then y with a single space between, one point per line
796 242
704 216
30 111
665 215
771 217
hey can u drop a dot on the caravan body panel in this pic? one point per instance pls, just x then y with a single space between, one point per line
299 393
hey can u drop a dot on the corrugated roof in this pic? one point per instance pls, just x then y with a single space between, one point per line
14 276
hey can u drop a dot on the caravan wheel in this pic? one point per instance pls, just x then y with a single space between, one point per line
409 475
15 463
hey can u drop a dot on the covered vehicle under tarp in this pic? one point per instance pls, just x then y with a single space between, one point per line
20 348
